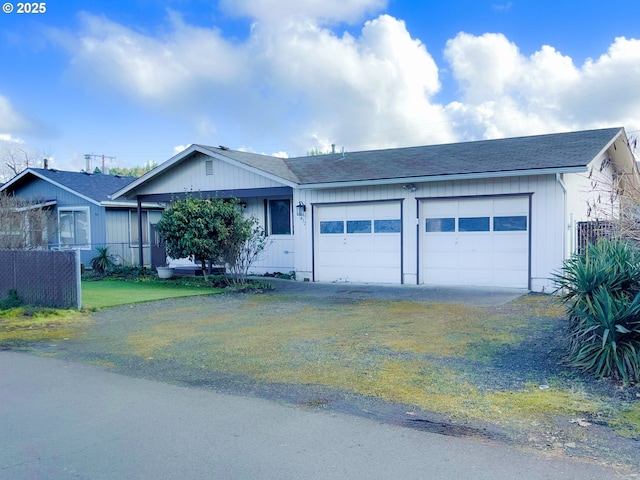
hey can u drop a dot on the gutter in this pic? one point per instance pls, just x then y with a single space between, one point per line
564 214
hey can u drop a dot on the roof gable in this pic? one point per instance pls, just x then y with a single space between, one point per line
95 188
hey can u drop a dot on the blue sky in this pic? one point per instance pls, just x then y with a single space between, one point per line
138 80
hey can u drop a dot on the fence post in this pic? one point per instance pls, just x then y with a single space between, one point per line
78 279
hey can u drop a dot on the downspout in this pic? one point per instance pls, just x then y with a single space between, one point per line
564 215
140 242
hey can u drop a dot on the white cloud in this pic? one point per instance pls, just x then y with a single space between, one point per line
295 84
505 93
153 69
179 148
364 91
10 119
7 137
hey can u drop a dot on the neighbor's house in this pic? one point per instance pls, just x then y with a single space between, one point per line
85 216
495 213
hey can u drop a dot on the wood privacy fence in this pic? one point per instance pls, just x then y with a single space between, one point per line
41 277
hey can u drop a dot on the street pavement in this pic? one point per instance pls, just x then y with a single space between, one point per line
62 420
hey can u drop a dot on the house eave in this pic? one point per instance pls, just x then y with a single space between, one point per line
35 206
131 204
445 178
28 171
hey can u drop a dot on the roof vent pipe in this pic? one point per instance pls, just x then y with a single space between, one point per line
342 153
333 148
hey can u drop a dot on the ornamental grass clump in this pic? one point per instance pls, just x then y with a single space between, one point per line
601 288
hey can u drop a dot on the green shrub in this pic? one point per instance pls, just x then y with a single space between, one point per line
601 288
130 272
12 301
103 261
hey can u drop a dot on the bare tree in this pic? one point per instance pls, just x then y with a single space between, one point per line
24 225
15 157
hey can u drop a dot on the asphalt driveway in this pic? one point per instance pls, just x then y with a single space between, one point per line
478 296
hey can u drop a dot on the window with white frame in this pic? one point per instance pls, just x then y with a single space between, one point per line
280 217
134 237
74 228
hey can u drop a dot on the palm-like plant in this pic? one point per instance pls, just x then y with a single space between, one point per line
103 261
602 290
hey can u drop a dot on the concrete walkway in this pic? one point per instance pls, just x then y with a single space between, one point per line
61 420
479 296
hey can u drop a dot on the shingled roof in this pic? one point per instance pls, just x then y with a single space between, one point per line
94 186
551 153
559 151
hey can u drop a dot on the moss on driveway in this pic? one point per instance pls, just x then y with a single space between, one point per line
471 365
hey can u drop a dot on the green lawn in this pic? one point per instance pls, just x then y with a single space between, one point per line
108 293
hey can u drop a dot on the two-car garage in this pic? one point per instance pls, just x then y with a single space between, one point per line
460 241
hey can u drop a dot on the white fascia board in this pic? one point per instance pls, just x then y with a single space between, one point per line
445 178
52 182
608 145
47 203
130 204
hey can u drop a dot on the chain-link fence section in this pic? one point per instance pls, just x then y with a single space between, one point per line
40 277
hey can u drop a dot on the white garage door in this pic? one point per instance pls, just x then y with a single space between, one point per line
358 242
480 241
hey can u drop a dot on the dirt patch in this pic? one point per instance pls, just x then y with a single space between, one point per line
488 372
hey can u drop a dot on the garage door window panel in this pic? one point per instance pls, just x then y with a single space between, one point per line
514 223
434 225
387 226
358 226
474 224
332 227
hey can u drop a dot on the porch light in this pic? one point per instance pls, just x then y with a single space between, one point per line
300 209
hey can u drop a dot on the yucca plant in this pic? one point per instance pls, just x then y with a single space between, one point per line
605 336
602 290
103 261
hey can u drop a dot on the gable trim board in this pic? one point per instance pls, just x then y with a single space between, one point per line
544 176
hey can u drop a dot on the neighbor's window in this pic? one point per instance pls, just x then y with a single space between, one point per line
280 217
73 227
441 225
134 237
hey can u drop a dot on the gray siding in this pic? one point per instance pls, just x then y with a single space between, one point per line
40 190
